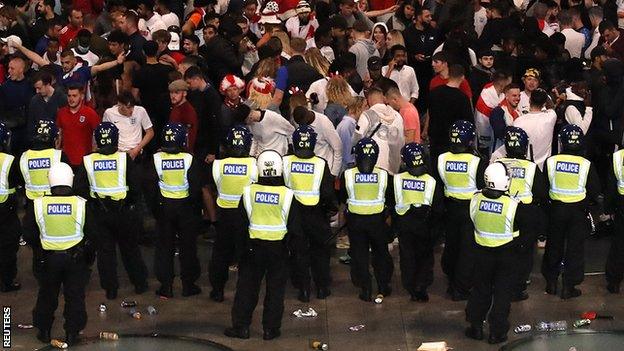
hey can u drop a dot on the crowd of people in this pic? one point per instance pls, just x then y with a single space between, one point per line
240 115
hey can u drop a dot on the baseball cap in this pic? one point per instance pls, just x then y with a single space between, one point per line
532 72
374 63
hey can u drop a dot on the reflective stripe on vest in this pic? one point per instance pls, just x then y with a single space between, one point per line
6 161
304 176
459 174
618 163
567 175
107 175
172 170
60 220
522 177
34 165
231 175
493 219
366 191
267 210
414 191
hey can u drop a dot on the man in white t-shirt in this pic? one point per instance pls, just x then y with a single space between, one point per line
402 74
149 21
133 122
169 18
575 41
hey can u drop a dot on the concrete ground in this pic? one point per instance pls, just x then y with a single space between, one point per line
397 324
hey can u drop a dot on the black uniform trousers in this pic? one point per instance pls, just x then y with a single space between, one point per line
261 259
227 246
526 250
369 232
492 288
458 256
58 269
416 244
114 227
316 253
10 231
568 228
177 218
615 261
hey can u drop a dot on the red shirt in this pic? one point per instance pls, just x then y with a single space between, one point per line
77 131
185 114
68 33
93 7
438 81
381 4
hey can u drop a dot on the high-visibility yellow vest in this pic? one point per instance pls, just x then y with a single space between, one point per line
618 158
522 177
366 191
493 219
60 220
267 209
107 175
567 175
459 174
34 165
172 170
414 191
6 161
231 175
304 177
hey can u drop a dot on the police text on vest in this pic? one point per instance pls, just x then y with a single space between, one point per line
302 167
491 206
414 185
267 198
567 167
39 163
517 172
456 166
59 209
235 169
366 178
172 164
105 165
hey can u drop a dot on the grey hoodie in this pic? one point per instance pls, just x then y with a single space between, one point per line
363 50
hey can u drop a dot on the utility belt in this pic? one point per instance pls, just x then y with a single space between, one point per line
109 205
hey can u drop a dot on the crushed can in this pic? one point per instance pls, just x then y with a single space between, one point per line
102 308
581 323
128 303
319 345
109 336
151 310
134 313
58 344
379 299
523 328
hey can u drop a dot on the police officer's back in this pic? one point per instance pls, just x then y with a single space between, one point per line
274 226
60 234
10 229
614 204
312 183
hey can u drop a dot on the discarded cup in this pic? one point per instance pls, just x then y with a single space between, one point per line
134 313
58 344
523 328
379 299
581 323
357 327
102 308
318 345
591 315
151 310
128 303
309 313
25 326
551 326
109 336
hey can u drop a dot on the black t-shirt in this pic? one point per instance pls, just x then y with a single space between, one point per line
152 81
135 48
446 105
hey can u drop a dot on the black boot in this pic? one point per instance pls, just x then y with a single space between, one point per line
497 339
140 289
551 287
111 294
419 295
613 288
385 290
474 332
237 332
271 333
71 338
520 296
304 295
190 290
165 291
322 293
217 295
569 292
44 336
365 295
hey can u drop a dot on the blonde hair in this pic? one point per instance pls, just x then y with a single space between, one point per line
261 100
315 59
283 37
296 100
356 106
338 91
397 38
266 68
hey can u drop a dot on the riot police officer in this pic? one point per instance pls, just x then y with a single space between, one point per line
274 225
230 175
418 205
312 183
573 187
60 233
614 196
366 194
529 189
176 175
461 172
10 229
498 225
113 188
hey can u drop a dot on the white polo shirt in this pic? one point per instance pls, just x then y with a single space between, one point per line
405 79
130 128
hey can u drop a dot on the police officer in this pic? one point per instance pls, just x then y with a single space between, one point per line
10 229
312 183
461 172
614 203
177 214
59 232
366 194
36 161
113 189
418 205
230 175
573 186
529 188
498 223
274 225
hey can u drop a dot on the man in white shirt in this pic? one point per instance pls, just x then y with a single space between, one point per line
304 24
531 80
576 111
403 75
595 17
328 143
270 130
133 122
149 21
382 123
574 40
169 18
480 17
